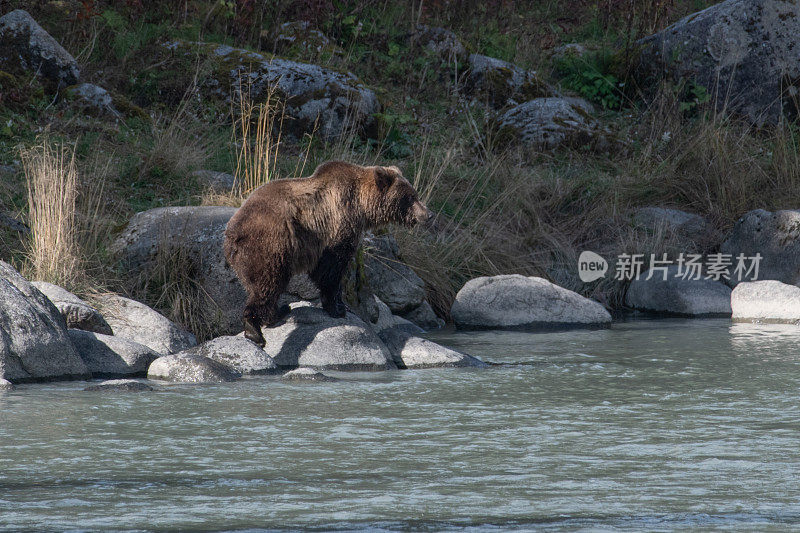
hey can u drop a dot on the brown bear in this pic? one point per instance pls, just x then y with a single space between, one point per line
313 225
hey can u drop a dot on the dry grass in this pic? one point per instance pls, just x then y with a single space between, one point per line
52 181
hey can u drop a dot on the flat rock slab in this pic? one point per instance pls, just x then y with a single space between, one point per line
410 351
135 321
515 301
77 313
241 354
766 301
190 368
34 344
306 374
120 385
109 356
309 337
678 296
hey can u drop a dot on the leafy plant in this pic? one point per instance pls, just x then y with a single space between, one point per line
594 77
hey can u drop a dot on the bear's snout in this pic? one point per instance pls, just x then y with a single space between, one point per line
422 215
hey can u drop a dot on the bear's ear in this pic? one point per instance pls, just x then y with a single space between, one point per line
384 177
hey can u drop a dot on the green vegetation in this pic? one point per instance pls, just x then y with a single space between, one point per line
502 211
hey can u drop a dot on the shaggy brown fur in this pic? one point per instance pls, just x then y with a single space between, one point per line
312 225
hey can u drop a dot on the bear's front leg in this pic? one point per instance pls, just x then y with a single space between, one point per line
328 277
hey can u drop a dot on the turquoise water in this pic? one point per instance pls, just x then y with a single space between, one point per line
648 425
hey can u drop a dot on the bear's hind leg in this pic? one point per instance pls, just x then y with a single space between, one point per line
328 277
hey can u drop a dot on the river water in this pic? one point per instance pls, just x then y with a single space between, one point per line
649 425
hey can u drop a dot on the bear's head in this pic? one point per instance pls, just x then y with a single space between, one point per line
390 198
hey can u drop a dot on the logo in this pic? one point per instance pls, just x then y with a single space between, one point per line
591 266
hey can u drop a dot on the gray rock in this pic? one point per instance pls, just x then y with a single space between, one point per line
13 223
94 99
390 279
687 224
678 296
120 385
25 45
547 123
424 317
442 42
219 182
571 50
386 320
6 385
239 353
410 351
109 356
34 344
317 99
742 51
776 236
77 313
300 35
519 301
306 374
310 337
135 321
196 235
766 301
502 83
190 368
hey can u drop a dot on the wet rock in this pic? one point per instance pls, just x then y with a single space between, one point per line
410 351
309 337
775 236
34 344
519 301
190 368
390 279
306 374
442 42
743 52
678 296
766 301
120 385
6 385
109 356
386 320
318 100
77 313
424 317
218 182
135 321
241 354
502 83
25 46
93 99
547 123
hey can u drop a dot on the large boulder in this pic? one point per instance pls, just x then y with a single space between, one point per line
135 321
766 301
390 279
77 313
547 123
34 344
190 368
775 236
515 301
440 41
25 46
311 338
410 351
108 356
502 83
316 99
678 296
743 52
241 354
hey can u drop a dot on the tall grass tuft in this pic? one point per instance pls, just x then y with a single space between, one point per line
52 183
